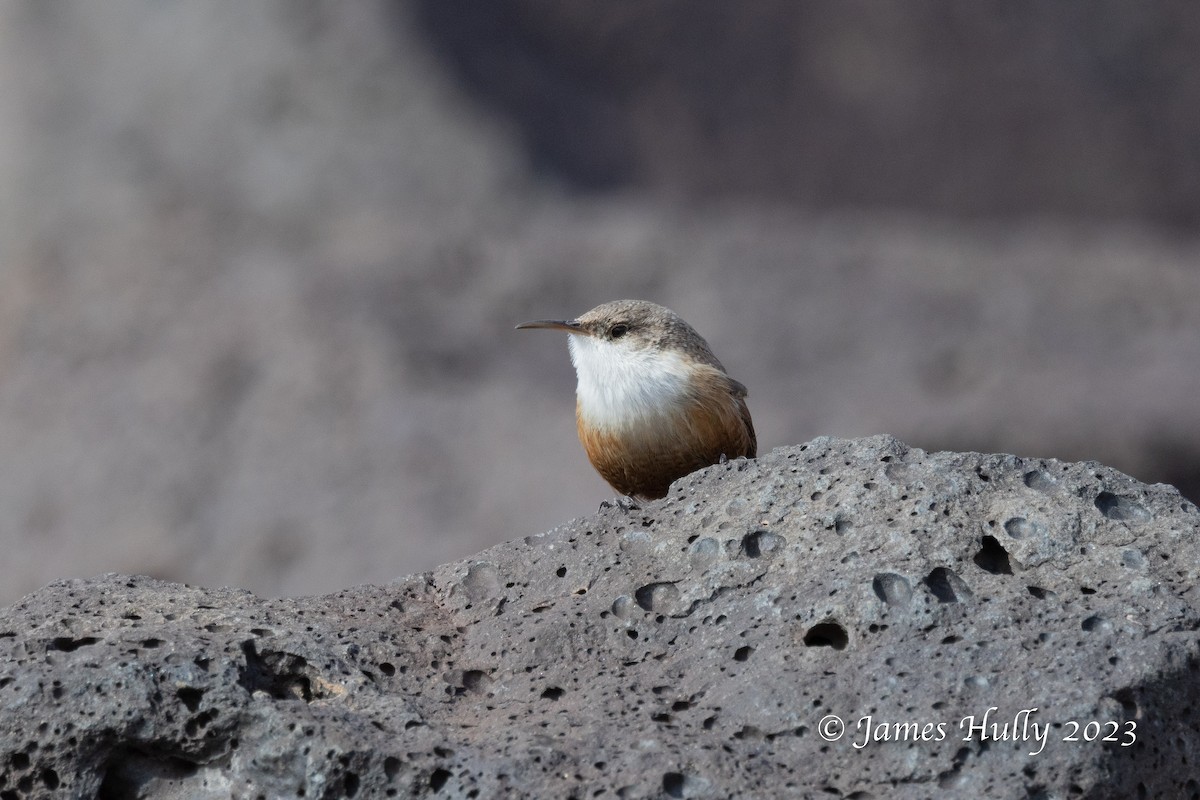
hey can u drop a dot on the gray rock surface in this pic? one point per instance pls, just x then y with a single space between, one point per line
692 648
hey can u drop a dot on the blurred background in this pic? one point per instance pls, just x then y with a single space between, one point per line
260 262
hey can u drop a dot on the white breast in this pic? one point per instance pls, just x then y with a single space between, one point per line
621 387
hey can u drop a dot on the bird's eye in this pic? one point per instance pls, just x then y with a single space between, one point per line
618 330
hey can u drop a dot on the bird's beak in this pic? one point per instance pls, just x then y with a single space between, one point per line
568 325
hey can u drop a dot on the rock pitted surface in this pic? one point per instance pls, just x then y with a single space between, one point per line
695 647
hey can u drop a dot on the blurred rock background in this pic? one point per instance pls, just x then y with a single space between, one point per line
260 262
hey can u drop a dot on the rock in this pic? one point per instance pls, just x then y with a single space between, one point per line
701 646
806 103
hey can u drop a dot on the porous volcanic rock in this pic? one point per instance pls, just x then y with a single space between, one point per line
695 647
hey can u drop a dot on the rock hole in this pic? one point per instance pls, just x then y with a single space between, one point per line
1037 479
561 572
674 784
190 697
661 597
438 779
742 653
827 634
552 693
284 676
749 732
1040 593
482 582
67 644
387 668
705 548
1021 528
993 558
129 772
951 779
623 606
1129 705
761 543
476 680
195 724
893 589
1097 624
947 587
1121 509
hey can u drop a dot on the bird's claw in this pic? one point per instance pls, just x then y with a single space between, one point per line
624 502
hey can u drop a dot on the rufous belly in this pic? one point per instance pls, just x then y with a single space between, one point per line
642 458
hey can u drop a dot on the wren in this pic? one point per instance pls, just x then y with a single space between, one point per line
652 403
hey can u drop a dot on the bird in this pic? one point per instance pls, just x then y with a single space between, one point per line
652 402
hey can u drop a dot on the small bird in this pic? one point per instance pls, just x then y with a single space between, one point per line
653 403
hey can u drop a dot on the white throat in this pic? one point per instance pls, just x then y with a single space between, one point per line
620 387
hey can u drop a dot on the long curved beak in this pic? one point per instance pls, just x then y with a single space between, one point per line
568 325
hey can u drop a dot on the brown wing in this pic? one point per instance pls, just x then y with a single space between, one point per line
744 411
739 391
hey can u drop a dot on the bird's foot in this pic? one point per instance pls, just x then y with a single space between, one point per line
724 459
624 502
